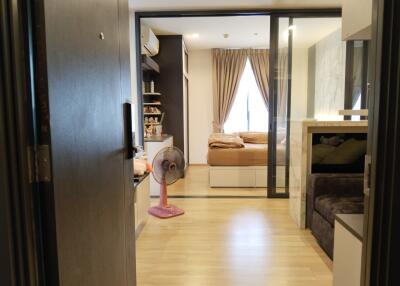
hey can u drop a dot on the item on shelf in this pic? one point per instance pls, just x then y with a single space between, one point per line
143 87
146 86
162 118
151 110
152 86
139 167
158 130
149 131
146 120
155 120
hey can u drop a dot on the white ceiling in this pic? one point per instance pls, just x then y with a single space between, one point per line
309 31
244 31
159 5
211 31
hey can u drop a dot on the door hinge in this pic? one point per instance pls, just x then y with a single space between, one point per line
367 175
39 163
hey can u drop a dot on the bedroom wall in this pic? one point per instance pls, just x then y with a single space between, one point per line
329 74
200 104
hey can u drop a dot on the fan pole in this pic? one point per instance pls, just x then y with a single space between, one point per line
163 195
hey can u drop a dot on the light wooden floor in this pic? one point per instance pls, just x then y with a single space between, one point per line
196 184
230 241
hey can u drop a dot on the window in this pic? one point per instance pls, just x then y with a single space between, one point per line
248 112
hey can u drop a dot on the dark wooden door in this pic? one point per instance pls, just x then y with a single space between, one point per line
382 181
87 59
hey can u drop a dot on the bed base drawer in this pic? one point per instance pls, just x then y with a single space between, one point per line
243 176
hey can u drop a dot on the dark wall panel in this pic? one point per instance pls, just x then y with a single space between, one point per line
170 84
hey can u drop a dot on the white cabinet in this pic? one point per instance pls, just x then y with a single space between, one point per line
347 250
142 204
356 19
152 146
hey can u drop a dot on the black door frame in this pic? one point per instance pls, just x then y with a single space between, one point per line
381 224
20 237
275 14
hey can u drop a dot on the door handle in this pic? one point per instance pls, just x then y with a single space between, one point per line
130 149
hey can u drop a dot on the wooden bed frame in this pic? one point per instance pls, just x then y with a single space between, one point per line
243 176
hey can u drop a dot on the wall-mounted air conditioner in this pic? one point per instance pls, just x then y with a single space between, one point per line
150 43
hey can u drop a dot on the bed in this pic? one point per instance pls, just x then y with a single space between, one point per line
244 164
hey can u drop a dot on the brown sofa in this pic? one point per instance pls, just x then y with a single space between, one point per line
328 195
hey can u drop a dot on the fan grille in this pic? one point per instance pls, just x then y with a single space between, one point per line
168 165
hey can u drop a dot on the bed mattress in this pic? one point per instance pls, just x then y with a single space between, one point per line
250 155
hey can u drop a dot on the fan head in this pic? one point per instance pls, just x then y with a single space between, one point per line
168 165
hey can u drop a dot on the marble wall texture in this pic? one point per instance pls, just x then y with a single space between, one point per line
330 59
297 172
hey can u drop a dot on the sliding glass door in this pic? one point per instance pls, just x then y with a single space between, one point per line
306 82
279 107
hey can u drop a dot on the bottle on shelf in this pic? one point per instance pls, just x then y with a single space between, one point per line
152 86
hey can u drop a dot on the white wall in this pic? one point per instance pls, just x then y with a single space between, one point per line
299 83
356 19
200 104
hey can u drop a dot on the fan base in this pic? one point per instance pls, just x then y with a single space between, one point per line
166 212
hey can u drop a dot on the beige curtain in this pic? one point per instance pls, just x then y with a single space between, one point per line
260 64
228 67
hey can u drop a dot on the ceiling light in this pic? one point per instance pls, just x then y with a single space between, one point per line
193 36
226 36
286 35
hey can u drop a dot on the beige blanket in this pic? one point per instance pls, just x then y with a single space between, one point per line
221 140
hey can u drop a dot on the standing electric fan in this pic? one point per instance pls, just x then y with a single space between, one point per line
168 167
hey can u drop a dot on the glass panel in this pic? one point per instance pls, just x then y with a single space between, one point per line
317 92
278 109
283 70
356 69
357 74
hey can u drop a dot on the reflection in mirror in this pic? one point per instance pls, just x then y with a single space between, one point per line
356 76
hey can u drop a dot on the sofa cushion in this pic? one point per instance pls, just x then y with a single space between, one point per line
330 205
346 153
